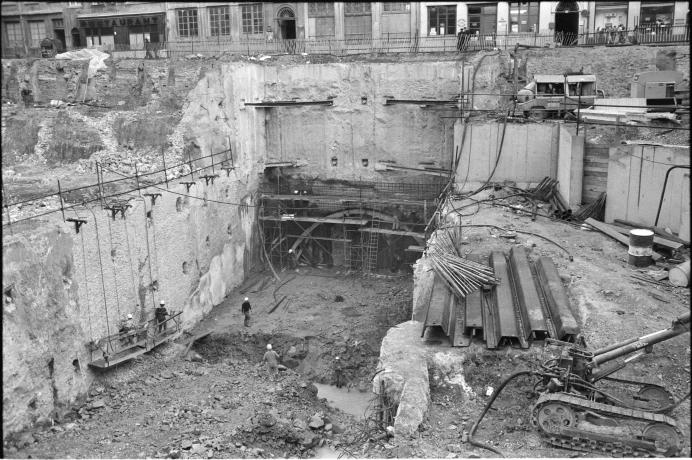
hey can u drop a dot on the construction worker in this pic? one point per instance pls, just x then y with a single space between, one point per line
127 330
271 358
338 372
245 308
160 313
292 259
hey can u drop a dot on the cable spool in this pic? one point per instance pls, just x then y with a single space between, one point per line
641 247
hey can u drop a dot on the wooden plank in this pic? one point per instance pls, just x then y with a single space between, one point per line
332 198
392 232
608 230
321 220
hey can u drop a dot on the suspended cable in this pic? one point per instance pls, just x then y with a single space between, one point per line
129 257
86 287
156 254
103 283
115 277
146 232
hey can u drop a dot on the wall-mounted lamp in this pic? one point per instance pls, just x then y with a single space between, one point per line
365 162
334 161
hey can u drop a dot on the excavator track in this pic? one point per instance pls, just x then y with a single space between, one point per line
560 419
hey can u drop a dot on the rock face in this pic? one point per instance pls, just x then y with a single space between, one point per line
405 376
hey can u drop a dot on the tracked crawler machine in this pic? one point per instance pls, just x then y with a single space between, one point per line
582 407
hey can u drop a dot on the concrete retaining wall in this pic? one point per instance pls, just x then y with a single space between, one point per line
529 153
635 180
356 128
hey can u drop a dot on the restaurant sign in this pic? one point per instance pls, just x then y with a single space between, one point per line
119 22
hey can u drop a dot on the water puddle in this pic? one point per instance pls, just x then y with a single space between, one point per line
326 452
352 402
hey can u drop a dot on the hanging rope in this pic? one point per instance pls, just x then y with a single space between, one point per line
103 283
129 257
146 230
115 276
156 254
86 287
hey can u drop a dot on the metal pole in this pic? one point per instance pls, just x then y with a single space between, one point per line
137 180
578 111
62 207
212 159
165 169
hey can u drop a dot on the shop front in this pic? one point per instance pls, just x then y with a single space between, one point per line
123 33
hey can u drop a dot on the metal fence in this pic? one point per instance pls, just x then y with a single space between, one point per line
391 43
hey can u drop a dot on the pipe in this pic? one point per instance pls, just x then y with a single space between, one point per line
679 326
663 192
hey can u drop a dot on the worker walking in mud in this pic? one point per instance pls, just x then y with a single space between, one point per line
271 359
338 373
245 308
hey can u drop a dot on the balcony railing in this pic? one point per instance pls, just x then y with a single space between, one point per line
394 43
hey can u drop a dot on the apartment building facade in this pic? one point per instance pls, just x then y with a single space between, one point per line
130 25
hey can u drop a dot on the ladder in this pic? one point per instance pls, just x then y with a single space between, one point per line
371 249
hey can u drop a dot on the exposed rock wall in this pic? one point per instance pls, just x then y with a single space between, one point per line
64 289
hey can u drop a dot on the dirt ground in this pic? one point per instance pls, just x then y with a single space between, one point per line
223 403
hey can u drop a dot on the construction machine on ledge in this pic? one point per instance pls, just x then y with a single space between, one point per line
573 412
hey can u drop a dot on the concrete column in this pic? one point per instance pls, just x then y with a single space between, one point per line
591 26
339 20
570 166
236 24
546 15
376 15
414 18
303 7
502 18
633 10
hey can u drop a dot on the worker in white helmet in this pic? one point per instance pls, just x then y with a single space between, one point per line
292 259
245 308
271 359
160 313
127 330
338 373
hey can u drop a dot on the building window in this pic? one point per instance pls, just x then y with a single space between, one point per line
357 20
396 7
321 19
523 17
37 32
659 14
14 34
219 21
58 24
253 20
187 22
610 14
483 19
442 20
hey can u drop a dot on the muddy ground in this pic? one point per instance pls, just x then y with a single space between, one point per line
226 406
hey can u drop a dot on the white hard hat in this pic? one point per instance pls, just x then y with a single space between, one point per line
290 251
129 316
336 357
163 302
269 346
246 299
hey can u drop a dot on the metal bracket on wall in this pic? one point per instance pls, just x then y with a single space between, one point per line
209 177
228 170
115 208
77 223
153 197
188 185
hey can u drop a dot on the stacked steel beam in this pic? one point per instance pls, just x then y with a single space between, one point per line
595 209
461 275
547 191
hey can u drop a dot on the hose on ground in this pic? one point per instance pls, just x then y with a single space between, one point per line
475 426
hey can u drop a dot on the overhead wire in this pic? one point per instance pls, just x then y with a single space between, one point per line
115 277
